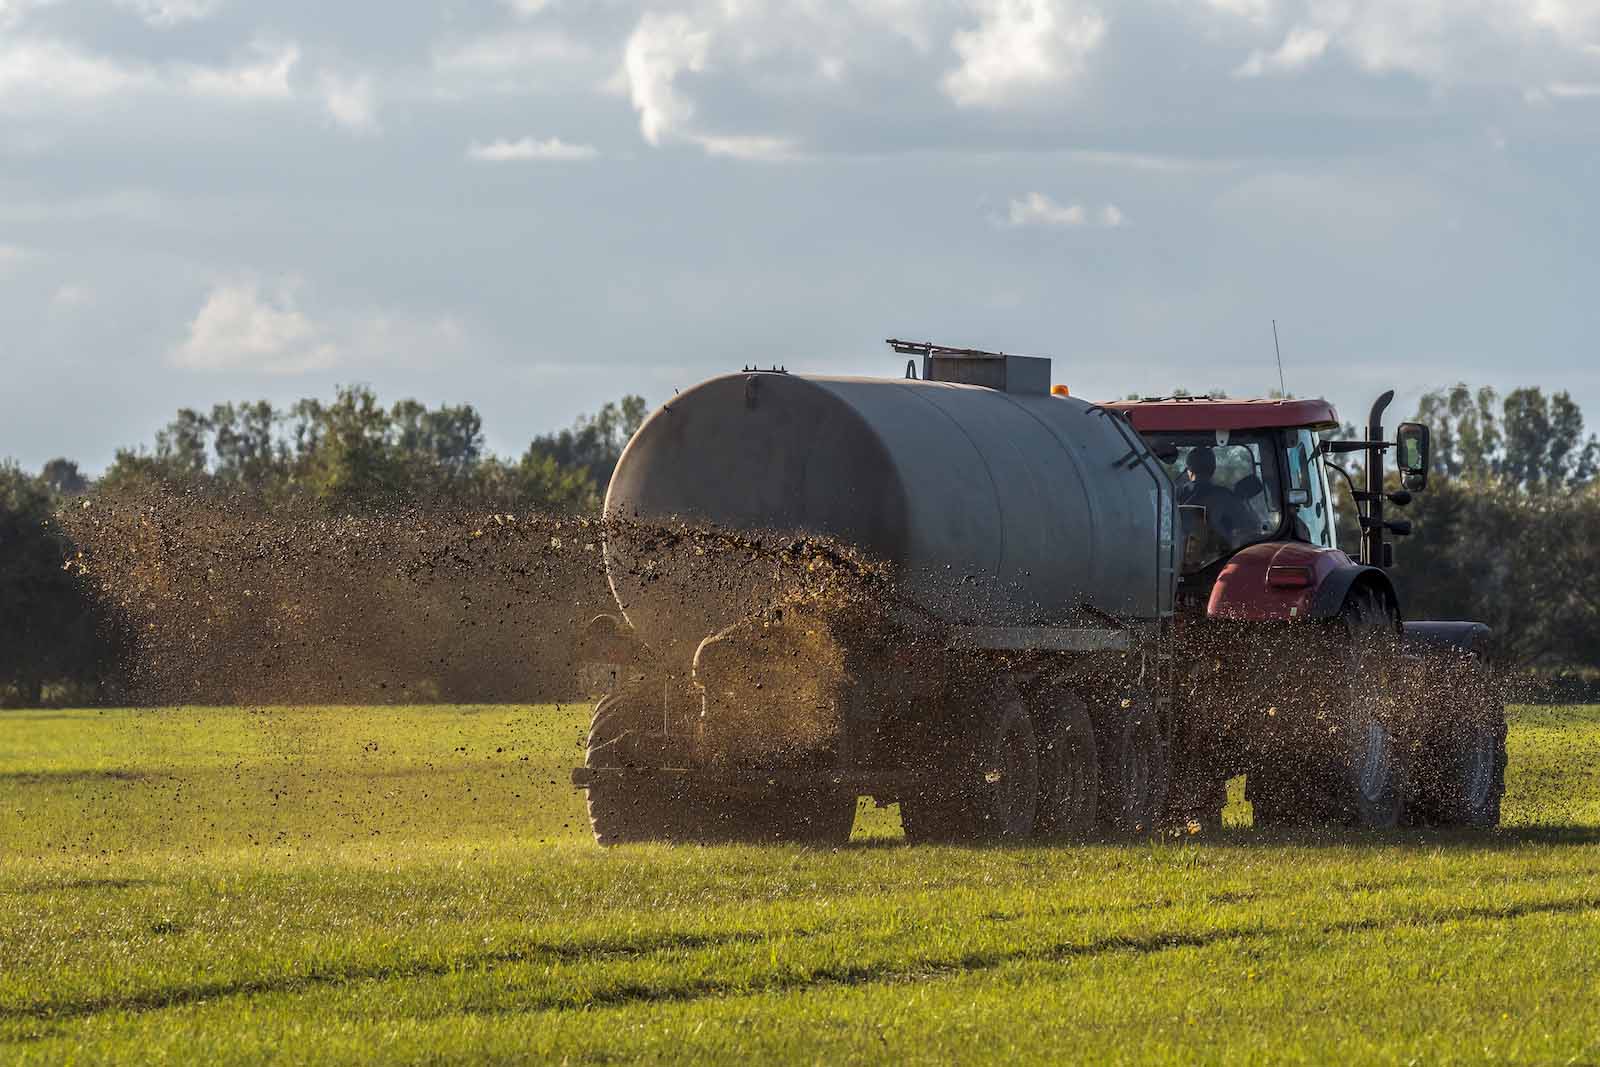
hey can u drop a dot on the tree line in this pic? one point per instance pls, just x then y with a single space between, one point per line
1508 532
353 452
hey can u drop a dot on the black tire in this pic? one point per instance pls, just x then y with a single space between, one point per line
1365 776
626 808
1133 767
988 791
1461 776
1069 767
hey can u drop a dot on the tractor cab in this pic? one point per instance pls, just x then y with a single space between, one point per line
1247 471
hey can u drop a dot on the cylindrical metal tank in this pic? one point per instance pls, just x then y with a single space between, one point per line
993 508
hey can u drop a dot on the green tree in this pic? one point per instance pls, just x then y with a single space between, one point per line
50 628
594 442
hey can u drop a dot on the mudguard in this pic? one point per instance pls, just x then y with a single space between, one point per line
1253 585
1465 638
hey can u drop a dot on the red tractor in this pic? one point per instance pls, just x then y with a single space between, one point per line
1382 720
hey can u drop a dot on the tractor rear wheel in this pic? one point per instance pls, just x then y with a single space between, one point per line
629 807
1368 777
989 791
1133 767
1069 767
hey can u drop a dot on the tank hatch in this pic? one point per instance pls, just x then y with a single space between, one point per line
973 366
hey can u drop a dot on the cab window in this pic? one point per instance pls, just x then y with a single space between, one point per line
1307 492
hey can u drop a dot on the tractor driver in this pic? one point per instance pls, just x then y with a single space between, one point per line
1226 514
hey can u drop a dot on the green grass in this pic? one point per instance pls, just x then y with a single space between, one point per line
351 884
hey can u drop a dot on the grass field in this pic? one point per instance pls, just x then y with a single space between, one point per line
358 884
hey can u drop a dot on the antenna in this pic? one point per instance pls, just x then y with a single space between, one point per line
1282 392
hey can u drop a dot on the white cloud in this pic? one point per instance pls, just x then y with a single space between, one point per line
165 13
1021 48
14 12
243 327
753 148
661 48
1303 46
527 9
1444 43
35 72
34 69
69 298
1259 11
238 328
517 52
350 102
1573 90
1037 209
553 150
266 78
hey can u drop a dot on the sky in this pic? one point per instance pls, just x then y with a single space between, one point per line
535 206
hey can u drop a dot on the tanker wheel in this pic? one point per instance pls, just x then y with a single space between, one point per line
1367 780
1069 767
821 816
989 792
626 808
1133 768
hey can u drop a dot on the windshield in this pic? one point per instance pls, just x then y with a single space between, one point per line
1235 478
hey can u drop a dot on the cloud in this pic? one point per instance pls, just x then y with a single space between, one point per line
1038 210
70 298
512 57
14 12
1022 48
266 78
1259 11
1573 90
239 328
754 148
33 69
1478 42
660 49
164 13
552 150
527 9
350 102
1302 47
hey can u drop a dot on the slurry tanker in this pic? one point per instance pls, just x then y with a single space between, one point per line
1081 618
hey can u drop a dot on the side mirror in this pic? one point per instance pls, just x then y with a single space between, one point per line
1411 455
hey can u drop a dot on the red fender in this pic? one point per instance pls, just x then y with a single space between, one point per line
1286 581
